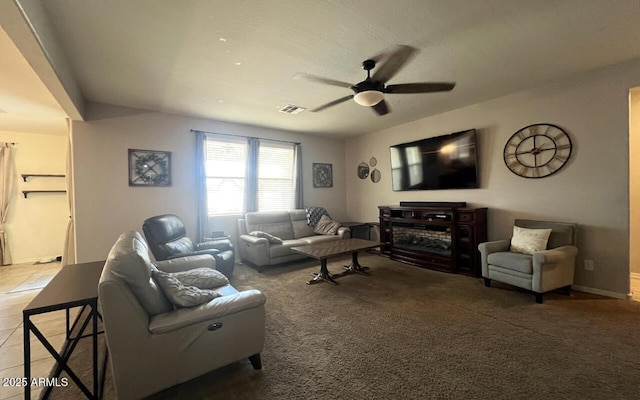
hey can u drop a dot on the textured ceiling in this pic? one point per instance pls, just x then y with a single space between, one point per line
235 60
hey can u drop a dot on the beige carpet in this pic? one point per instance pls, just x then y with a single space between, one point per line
411 333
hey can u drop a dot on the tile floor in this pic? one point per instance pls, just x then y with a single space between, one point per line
16 291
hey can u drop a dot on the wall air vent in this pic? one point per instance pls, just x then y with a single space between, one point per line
291 109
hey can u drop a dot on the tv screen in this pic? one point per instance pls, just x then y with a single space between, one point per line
441 162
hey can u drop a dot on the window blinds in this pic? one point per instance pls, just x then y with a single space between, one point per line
275 177
225 167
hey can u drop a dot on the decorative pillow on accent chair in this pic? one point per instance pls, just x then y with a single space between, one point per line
529 241
181 295
268 236
326 226
202 278
314 214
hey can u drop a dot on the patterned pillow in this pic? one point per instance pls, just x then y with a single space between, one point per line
202 278
327 226
268 236
181 295
314 214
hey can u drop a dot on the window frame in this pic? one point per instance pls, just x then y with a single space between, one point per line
248 175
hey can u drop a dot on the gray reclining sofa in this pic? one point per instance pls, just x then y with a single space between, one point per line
290 226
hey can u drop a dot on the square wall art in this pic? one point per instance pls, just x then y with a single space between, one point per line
322 175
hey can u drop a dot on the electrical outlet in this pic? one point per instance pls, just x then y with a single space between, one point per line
588 265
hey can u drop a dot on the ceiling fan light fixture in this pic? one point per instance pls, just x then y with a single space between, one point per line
369 98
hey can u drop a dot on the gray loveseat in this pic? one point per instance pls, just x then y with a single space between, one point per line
290 226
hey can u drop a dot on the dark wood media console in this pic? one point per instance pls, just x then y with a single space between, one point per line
441 238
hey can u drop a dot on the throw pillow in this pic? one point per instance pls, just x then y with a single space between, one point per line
529 241
202 278
326 226
181 295
314 214
268 236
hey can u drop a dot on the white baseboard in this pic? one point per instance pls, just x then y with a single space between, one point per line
34 260
635 276
601 292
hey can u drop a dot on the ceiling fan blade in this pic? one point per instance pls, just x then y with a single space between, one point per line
333 103
378 58
394 63
320 79
381 108
420 87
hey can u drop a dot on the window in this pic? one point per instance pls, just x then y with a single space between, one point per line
275 177
227 178
225 168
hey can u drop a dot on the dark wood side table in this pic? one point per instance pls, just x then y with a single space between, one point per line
75 285
359 230
214 238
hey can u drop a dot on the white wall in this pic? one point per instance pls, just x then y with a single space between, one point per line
106 206
592 190
36 226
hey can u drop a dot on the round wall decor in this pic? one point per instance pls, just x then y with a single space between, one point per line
537 151
375 175
363 170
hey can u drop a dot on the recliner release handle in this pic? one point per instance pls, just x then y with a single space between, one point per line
215 326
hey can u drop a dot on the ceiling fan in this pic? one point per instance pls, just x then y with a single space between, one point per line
371 91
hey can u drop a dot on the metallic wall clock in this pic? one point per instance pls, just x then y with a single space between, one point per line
537 151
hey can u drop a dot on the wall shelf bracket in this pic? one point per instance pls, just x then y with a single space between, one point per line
28 192
25 176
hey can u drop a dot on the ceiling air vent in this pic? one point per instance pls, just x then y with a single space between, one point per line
291 109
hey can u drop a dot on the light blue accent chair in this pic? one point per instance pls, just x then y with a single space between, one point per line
539 273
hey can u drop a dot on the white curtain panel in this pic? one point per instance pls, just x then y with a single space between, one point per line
8 183
69 249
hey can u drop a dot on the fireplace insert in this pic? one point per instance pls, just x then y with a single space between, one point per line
420 237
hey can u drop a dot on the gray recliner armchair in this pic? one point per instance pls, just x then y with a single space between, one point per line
539 272
167 237
152 345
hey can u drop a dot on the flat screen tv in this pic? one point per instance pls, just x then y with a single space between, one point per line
441 162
